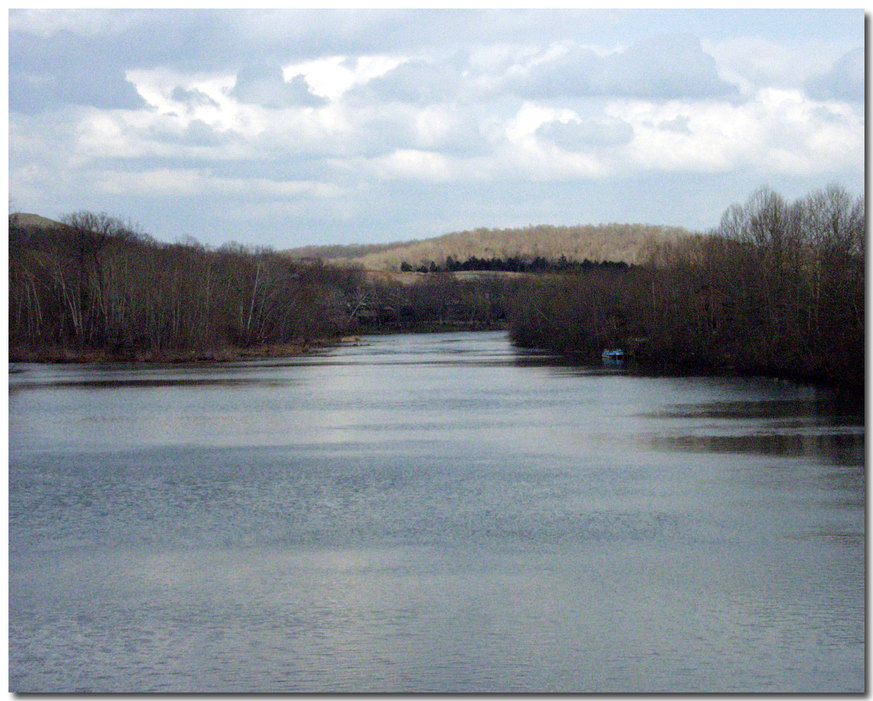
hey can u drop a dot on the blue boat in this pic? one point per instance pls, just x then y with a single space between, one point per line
613 357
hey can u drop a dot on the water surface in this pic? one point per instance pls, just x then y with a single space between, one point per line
430 513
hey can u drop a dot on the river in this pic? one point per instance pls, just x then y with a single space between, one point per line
431 513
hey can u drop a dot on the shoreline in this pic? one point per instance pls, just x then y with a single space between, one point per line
66 355
651 368
63 356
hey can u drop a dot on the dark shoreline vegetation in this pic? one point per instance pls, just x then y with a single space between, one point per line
94 288
777 289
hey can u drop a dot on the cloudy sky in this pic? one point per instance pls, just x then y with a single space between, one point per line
288 128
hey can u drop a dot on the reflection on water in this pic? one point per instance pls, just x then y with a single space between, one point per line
115 383
822 427
839 448
819 408
432 513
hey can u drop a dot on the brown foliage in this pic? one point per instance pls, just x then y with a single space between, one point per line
777 289
96 283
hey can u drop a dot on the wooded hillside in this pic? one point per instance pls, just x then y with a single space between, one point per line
628 243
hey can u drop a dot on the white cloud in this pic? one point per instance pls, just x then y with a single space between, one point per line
450 129
333 76
412 164
357 106
525 149
168 93
531 116
144 134
779 132
755 62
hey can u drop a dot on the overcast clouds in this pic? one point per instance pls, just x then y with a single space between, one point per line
288 128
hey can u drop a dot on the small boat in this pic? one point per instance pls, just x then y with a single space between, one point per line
613 356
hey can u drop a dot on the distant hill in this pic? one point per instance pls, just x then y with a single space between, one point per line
627 243
34 221
343 251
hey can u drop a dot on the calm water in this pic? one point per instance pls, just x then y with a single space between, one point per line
430 513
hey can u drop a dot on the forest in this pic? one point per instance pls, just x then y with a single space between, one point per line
96 287
776 289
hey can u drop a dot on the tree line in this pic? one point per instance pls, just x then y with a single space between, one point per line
777 288
440 301
97 284
97 287
512 264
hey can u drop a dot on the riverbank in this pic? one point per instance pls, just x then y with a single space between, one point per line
433 327
647 366
63 354
60 354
